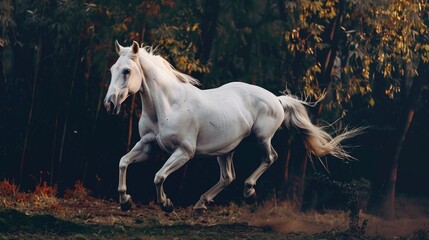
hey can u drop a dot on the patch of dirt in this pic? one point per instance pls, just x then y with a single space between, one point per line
412 215
90 218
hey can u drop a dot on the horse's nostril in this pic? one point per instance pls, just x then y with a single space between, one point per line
111 105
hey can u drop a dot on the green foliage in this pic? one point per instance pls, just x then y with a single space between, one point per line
7 22
376 37
179 43
276 44
391 37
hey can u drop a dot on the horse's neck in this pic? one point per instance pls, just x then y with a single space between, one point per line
158 93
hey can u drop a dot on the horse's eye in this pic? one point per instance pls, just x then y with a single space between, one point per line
126 71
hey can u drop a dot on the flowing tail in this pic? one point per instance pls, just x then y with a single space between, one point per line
316 140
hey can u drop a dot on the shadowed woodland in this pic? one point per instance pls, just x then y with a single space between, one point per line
371 58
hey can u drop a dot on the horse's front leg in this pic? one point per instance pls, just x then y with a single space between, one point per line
142 151
179 157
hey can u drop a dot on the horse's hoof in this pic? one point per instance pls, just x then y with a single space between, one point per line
198 212
251 199
168 206
200 206
126 205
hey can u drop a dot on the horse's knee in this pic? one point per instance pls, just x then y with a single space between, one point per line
159 179
249 183
123 164
270 159
231 178
228 179
273 156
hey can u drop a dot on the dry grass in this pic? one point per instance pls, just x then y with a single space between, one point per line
412 216
271 220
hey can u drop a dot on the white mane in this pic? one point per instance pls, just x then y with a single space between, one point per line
166 67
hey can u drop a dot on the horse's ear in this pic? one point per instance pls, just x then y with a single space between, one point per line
135 47
118 47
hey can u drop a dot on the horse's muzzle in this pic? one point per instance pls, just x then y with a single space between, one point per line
110 106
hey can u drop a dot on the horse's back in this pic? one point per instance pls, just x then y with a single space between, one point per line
254 98
241 97
269 113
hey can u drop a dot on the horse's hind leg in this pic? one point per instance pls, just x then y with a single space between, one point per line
270 156
227 175
142 151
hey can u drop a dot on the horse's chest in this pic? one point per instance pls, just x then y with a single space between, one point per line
172 132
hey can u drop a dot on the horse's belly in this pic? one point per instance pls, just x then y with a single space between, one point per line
218 140
216 148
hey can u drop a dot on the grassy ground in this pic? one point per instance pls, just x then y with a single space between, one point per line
219 224
41 215
18 225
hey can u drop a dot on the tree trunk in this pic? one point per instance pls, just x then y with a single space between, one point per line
286 168
208 29
54 144
282 10
302 170
208 32
297 168
334 40
65 128
68 103
30 113
387 209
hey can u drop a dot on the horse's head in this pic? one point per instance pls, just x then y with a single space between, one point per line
126 78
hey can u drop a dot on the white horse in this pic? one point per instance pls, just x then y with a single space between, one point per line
186 121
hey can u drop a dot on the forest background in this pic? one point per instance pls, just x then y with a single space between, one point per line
369 57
